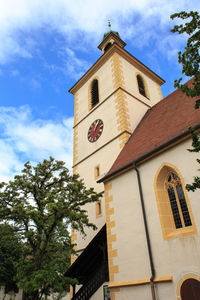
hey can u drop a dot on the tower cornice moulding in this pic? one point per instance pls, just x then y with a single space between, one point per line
105 57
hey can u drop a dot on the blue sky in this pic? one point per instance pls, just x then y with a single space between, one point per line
47 45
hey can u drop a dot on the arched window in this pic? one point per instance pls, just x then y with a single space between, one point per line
173 204
94 93
177 200
107 47
141 86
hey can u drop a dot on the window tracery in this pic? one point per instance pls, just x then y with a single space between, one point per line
174 208
177 201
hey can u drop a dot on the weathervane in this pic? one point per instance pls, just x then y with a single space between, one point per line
109 24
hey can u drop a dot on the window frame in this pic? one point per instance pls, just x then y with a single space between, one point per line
98 208
97 173
178 204
94 92
90 105
168 226
145 86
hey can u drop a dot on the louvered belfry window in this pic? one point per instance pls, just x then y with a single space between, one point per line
177 201
95 92
141 85
107 47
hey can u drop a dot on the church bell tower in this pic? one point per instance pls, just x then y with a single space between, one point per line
110 100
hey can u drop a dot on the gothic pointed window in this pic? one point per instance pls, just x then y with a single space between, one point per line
177 200
173 204
94 93
141 86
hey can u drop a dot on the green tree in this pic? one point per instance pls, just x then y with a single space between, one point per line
195 148
10 252
44 202
190 60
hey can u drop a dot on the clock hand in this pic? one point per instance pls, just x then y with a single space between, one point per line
96 125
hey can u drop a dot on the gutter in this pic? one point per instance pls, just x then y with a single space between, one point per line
141 158
152 283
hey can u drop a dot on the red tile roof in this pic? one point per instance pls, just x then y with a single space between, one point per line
161 125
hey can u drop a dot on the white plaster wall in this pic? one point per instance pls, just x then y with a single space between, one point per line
176 256
136 111
104 75
163 291
107 114
104 158
130 72
166 290
132 259
140 292
183 251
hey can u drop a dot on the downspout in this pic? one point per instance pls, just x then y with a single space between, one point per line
147 235
73 290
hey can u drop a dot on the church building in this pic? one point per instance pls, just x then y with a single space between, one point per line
131 144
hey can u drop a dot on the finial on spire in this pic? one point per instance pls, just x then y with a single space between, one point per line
109 24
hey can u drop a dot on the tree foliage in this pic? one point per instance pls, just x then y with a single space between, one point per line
10 252
44 202
190 58
195 148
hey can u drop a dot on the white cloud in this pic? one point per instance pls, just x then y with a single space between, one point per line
9 161
24 138
74 66
19 19
14 73
35 84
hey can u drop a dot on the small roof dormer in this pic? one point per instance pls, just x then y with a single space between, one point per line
110 38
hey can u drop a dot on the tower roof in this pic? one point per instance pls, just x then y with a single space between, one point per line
109 38
107 33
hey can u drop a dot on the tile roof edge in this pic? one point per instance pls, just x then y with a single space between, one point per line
141 158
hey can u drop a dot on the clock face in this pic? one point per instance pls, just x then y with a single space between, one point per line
95 130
